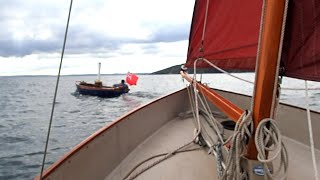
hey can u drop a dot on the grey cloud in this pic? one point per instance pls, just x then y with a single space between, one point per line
80 40
18 49
150 49
39 15
171 33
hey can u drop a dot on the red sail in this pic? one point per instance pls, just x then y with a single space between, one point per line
301 46
229 37
231 33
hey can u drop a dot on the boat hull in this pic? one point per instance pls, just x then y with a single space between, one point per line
160 127
105 92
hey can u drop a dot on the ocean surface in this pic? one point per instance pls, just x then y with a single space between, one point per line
25 107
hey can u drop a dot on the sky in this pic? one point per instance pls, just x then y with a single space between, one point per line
139 36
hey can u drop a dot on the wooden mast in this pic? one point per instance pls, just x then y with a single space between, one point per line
267 69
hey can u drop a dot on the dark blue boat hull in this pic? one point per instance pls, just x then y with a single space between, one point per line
105 92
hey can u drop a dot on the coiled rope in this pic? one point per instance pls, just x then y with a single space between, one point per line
242 133
268 139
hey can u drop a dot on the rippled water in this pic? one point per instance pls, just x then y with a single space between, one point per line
25 106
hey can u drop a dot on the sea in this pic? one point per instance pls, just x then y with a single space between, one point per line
26 103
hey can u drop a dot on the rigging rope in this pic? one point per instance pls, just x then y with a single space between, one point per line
311 134
241 79
241 135
191 101
205 23
213 144
153 164
276 85
55 93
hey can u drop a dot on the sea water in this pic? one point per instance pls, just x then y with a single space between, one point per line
26 102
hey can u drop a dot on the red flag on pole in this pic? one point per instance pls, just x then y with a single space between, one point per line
132 79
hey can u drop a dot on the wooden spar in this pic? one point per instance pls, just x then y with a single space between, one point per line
266 73
227 107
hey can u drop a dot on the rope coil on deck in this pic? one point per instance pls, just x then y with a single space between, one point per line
242 133
268 139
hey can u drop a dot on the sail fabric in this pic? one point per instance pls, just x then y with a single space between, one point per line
231 34
301 46
228 36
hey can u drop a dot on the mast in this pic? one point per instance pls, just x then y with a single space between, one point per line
267 65
99 66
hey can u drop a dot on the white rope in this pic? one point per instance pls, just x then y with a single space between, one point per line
205 111
245 80
268 138
276 77
221 70
205 21
168 155
190 101
215 124
241 132
238 139
300 89
311 134
209 140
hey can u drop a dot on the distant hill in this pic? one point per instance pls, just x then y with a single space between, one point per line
170 70
176 70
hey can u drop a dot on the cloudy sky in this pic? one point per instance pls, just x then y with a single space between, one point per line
139 36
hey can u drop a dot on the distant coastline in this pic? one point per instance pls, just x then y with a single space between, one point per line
115 74
170 70
177 68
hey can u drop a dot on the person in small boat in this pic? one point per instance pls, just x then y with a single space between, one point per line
122 85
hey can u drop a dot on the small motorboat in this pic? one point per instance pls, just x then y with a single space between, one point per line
98 89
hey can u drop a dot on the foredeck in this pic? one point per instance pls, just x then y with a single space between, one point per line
158 128
196 164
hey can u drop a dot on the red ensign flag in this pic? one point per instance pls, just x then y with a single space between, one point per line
132 79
